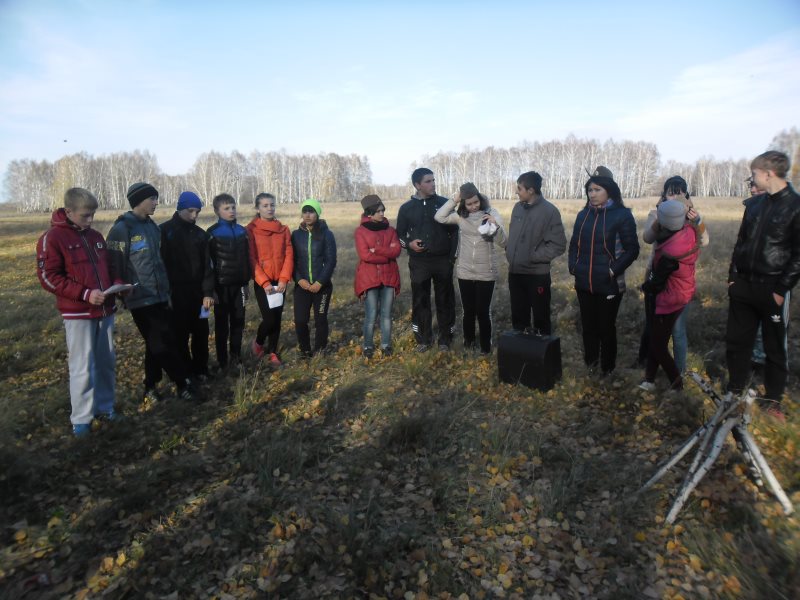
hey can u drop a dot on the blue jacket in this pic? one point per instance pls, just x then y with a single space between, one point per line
314 253
603 245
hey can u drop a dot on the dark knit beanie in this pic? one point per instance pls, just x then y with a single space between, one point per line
139 192
602 171
468 190
189 200
370 201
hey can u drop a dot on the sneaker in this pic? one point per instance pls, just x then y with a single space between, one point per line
386 351
444 348
151 396
111 417
274 360
647 386
190 394
81 429
306 354
773 409
257 349
368 352
422 348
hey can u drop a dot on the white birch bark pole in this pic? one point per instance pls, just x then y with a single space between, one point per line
695 477
774 485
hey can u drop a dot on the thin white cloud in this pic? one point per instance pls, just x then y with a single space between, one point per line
356 102
727 107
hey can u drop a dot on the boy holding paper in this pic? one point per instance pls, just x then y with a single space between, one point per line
72 263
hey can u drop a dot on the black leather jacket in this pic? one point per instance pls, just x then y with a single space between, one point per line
768 246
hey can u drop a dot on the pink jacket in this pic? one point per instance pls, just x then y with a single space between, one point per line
681 283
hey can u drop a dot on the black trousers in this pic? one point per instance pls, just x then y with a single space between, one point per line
752 304
649 313
423 271
476 300
229 322
304 302
530 293
186 305
161 351
269 330
599 324
658 355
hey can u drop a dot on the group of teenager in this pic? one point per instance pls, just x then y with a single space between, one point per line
170 278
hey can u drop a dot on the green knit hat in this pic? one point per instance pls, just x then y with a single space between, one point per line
313 204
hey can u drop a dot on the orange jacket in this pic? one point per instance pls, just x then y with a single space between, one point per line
271 254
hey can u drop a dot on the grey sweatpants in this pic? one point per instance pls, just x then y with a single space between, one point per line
92 362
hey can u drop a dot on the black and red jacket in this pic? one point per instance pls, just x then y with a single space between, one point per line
71 262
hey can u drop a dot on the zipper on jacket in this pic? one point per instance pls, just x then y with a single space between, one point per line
91 260
591 252
310 274
94 267
757 238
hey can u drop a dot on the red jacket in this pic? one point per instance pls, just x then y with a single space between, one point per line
681 283
271 252
71 262
379 267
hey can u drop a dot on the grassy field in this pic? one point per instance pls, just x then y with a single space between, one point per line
416 476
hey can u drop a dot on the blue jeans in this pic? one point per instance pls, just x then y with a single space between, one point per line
383 296
680 343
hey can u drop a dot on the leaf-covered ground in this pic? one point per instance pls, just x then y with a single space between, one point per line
414 476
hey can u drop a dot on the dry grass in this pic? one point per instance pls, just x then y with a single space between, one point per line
418 474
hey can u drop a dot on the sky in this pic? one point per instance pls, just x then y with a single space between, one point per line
392 80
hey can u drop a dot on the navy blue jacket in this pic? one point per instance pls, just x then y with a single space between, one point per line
314 253
604 243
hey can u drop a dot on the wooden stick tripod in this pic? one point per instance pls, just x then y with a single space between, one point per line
732 415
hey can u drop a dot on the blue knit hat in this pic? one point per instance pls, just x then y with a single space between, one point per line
189 200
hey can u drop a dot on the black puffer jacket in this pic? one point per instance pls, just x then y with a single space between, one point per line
230 253
415 220
768 246
185 251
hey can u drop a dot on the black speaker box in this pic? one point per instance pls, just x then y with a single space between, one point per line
532 360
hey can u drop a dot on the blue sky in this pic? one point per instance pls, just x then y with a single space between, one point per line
392 80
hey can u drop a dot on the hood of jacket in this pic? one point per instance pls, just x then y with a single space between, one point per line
267 227
59 219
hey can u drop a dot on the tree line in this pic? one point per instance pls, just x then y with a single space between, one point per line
39 185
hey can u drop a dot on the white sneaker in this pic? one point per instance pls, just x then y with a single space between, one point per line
647 386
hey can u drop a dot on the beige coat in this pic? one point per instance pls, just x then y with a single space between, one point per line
477 255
